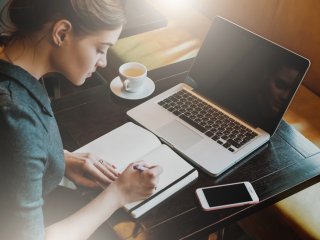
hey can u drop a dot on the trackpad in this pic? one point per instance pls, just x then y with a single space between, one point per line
178 135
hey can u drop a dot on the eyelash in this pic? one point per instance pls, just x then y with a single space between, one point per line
100 51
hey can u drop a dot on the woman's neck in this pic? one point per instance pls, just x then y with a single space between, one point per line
31 56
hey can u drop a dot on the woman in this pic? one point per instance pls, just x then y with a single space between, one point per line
71 37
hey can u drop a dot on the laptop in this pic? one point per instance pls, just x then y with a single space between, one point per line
231 102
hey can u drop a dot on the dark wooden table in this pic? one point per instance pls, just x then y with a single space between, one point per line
284 166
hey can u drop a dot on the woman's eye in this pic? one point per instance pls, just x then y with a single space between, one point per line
100 51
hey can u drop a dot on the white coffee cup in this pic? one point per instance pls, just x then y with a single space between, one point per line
133 76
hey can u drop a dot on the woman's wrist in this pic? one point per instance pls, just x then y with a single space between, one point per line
116 193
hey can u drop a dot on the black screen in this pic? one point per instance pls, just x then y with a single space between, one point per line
246 74
229 194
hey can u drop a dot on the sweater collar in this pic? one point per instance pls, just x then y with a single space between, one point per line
30 83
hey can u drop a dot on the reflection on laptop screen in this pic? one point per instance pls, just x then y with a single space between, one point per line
246 74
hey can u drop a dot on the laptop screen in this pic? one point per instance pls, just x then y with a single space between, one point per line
246 74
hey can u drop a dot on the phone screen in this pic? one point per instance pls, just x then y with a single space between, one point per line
225 195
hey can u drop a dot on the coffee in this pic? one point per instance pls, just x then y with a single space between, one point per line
133 72
133 76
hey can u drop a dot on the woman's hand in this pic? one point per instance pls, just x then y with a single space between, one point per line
88 170
134 185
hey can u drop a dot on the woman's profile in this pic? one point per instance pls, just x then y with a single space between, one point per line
70 37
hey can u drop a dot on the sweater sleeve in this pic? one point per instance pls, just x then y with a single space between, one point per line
22 166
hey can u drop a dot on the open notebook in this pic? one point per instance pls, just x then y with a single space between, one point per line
129 143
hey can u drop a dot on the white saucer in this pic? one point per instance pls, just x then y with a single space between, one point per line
117 88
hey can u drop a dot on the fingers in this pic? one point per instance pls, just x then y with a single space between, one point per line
85 169
138 183
155 170
103 172
98 174
107 169
152 173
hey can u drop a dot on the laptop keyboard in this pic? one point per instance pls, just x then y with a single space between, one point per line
208 120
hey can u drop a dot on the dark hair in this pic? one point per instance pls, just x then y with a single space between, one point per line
22 17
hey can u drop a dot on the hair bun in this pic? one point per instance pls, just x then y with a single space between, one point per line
23 14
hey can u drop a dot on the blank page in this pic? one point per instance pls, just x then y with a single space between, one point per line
123 145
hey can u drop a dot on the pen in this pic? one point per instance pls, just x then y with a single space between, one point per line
140 167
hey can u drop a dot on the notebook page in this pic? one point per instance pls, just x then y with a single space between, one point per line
123 145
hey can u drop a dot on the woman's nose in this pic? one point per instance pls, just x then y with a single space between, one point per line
102 62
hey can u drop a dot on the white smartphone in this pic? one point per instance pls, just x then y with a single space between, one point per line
226 196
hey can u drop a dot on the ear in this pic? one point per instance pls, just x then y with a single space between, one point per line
60 31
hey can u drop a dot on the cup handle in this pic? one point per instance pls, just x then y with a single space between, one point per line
126 84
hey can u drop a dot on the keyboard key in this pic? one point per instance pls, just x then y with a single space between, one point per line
233 143
215 138
225 137
209 134
176 112
226 145
166 106
170 109
220 142
161 103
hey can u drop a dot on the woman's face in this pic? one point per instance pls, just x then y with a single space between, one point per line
79 57
280 88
